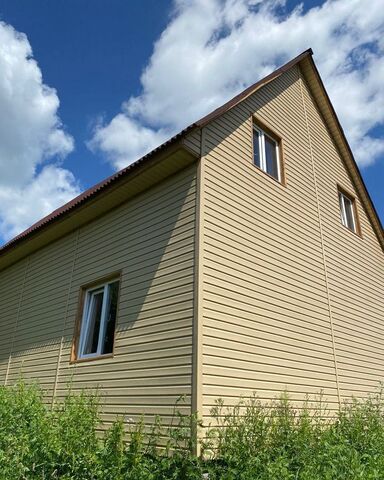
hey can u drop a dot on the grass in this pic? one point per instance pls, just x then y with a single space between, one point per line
252 440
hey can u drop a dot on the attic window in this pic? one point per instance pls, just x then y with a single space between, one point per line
98 320
348 213
266 152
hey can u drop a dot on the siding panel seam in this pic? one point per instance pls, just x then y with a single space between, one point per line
17 319
321 237
197 398
65 316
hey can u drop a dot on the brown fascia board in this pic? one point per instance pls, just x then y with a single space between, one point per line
109 182
96 190
251 89
352 167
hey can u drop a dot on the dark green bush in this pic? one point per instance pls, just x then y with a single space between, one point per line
253 440
279 442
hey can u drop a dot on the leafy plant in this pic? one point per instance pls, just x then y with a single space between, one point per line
252 440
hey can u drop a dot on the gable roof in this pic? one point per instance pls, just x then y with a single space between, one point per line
320 94
306 63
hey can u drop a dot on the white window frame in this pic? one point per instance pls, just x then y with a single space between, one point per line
263 159
88 299
343 211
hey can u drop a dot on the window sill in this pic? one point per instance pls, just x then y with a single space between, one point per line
258 169
91 359
356 234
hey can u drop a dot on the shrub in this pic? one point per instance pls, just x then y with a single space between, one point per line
252 440
277 441
37 441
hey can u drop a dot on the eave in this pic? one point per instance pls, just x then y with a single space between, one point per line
103 197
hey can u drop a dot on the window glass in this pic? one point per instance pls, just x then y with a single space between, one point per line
271 157
256 147
94 317
99 320
266 153
342 209
347 212
110 318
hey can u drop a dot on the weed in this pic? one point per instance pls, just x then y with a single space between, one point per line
252 440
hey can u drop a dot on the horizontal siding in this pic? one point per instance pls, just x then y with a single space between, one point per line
265 305
36 343
355 268
150 239
10 301
192 141
279 270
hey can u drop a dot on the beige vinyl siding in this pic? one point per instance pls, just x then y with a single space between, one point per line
291 299
37 337
150 240
355 269
265 304
193 141
11 292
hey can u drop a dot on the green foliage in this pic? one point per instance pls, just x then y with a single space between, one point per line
278 442
251 441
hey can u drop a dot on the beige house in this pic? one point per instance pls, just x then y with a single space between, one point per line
243 255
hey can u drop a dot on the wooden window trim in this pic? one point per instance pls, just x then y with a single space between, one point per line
79 317
356 218
262 125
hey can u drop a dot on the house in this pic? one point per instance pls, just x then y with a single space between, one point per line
243 255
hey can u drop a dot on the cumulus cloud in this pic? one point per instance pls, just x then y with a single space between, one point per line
32 139
52 187
212 49
124 137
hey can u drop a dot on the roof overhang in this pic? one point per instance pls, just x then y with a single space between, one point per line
324 104
311 74
100 199
171 156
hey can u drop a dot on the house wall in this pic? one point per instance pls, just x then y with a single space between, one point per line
290 299
150 239
355 269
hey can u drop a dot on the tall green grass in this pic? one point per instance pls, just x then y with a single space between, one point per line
253 440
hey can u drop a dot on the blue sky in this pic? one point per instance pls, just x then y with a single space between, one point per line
103 114
92 53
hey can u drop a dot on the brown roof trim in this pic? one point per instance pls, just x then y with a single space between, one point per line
344 138
249 90
92 192
100 187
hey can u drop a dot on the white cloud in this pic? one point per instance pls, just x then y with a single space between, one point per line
21 206
120 147
31 136
212 49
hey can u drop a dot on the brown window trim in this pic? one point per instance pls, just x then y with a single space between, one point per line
79 316
353 199
255 120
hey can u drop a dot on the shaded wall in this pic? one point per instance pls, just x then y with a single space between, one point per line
151 240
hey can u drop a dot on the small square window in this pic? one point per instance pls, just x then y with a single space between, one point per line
99 319
348 212
266 155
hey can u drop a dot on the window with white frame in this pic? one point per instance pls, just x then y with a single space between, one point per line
99 319
347 212
266 154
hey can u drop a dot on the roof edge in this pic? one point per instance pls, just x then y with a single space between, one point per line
380 231
107 183
250 90
92 192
